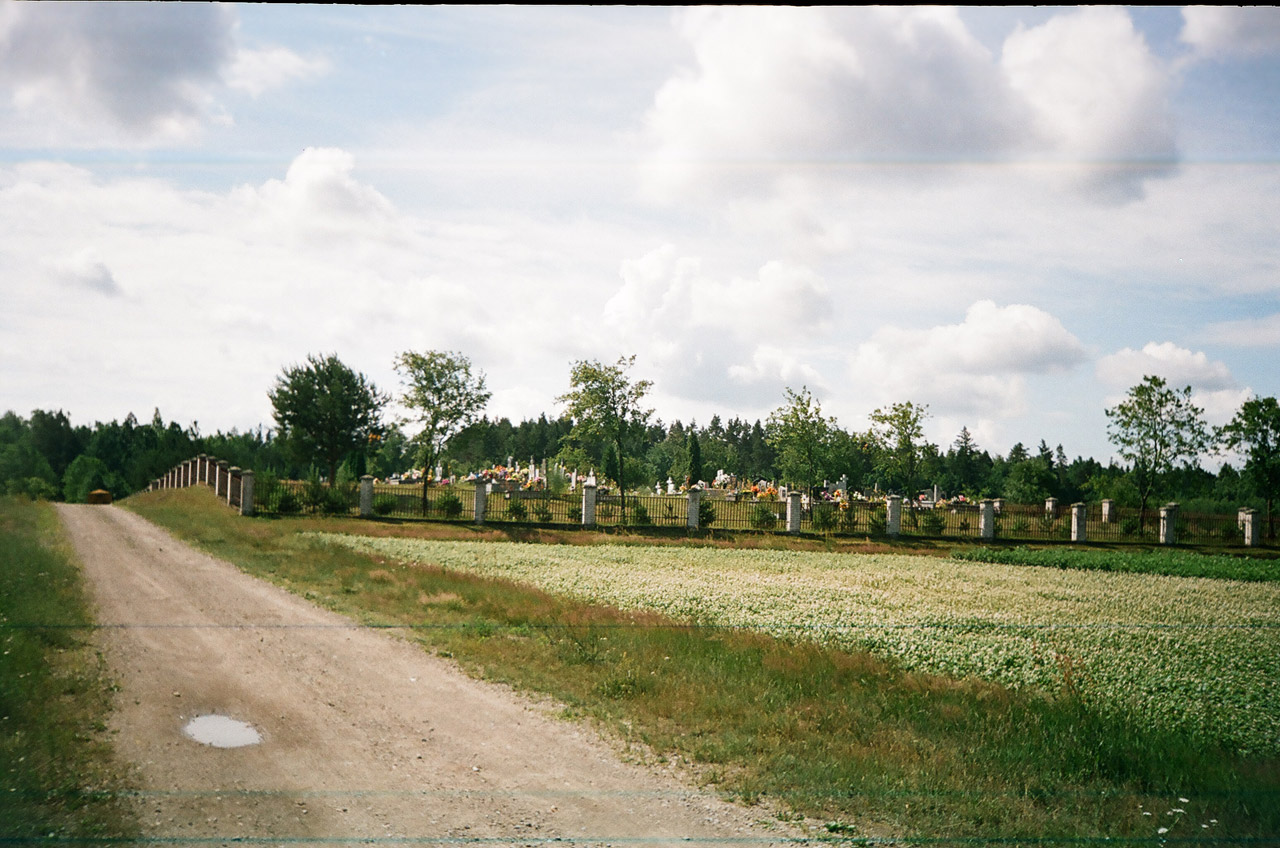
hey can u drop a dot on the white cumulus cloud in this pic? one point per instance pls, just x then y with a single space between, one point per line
1231 30
978 366
1176 365
127 72
784 89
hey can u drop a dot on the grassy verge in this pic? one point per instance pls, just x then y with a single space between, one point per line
1173 563
57 778
838 736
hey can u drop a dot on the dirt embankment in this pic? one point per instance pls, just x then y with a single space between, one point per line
364 736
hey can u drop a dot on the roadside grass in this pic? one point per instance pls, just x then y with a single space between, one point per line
841 737
1174 563
58 781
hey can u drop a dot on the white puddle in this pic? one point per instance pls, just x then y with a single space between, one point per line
222 732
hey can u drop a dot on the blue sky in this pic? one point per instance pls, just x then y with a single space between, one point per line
1010 215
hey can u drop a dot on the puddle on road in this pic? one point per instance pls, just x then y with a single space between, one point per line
222 731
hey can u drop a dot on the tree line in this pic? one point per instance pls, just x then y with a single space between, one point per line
330 422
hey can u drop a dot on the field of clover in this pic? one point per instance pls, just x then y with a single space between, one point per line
1182 653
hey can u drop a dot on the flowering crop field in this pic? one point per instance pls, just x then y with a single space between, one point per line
1180 653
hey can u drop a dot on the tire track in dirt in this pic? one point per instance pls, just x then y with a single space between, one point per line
365 736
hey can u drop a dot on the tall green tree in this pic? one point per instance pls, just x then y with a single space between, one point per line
606 405
695 459
802 438
445 396
1255 430
1154 428
325 411
899 434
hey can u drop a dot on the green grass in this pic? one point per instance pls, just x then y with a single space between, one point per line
57 778
841 736
1173 563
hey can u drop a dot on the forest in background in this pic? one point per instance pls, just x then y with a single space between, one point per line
48 456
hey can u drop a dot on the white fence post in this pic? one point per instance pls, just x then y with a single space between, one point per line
589 502
246 493
987 519
1079 513
1252 528
1168 524
795 510
1108 511
893 515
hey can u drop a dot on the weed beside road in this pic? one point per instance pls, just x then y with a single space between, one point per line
839 735
58 781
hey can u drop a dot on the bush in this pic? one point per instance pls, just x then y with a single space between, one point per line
825 518
384 504
575 514
282 500
933 522
543 513
516 511
448 505
763 517
640 515
337 500
706 513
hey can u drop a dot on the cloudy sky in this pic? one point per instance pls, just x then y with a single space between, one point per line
1010 215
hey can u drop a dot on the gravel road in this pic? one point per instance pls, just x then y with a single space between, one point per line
365 737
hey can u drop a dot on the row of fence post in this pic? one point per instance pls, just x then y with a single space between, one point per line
235 485
229 482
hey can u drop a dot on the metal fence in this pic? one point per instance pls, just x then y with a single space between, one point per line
1011 522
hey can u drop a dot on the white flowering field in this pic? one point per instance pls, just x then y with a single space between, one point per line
1189 653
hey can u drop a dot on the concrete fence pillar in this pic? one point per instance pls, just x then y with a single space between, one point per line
1168 524
220 485
1252 527
795 511
481 501
893 515
695 501
1051 507
589 502
232 473
1079 512
366 495
246 493
1108 511
987 519
202 466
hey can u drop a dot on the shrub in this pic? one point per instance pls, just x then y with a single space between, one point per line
575 513
933 522
282 501
543 513
516 510
1130 526
384 504
763 517
706 513
825 518
448 505
337 500
640 515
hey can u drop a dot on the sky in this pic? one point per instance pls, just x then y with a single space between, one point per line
1010 215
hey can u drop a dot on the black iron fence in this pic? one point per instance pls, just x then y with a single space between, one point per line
960 520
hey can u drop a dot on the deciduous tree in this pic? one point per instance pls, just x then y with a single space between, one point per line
899 433
325 410
1255 429
1154 428
605 405
802 438
445 397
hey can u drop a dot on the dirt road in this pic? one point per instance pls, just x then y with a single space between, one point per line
365 737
